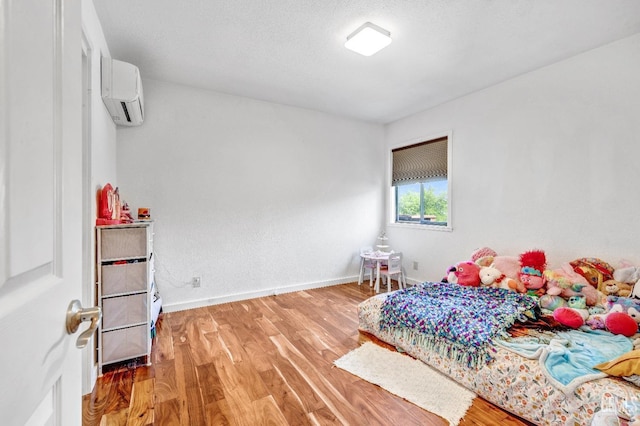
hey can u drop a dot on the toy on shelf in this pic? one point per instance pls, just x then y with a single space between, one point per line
112 211
144 213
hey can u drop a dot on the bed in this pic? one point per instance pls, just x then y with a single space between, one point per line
508 371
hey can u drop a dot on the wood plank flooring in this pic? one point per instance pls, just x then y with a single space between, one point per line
266 361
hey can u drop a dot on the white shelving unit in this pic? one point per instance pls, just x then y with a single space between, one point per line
124 280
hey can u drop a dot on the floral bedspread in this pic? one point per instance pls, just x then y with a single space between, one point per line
515 383
456 321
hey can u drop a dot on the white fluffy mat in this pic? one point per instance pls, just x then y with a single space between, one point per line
410 379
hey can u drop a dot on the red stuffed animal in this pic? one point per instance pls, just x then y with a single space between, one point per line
467 274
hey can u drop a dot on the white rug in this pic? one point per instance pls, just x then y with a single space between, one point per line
410 379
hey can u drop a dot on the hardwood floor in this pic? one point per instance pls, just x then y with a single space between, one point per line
261 361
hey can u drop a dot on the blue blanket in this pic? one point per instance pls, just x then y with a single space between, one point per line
568 359
457 322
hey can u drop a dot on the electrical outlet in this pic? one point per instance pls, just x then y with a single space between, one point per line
415 265
195 282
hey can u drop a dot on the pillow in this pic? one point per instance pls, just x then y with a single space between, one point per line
595 270
625 365
568 317
621 323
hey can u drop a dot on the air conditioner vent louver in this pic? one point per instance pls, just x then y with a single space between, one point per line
126 113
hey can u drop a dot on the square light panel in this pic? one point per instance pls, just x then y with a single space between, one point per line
368 39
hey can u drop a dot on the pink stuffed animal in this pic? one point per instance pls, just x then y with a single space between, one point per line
567 283
508 265
467 274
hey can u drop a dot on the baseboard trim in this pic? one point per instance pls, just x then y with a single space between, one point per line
208 301
412 281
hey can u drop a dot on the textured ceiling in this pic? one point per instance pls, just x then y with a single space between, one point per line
292 51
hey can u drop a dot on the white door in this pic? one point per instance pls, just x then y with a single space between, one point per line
40 210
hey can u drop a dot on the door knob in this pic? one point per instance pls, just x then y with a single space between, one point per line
77 314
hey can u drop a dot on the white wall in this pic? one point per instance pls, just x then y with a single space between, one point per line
547 160
103 129
99 145
254 197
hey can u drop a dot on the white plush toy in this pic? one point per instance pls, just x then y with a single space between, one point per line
490 276
630 275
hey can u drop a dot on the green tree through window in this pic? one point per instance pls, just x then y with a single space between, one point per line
409 204
433 203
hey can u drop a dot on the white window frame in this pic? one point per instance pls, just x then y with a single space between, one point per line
391 199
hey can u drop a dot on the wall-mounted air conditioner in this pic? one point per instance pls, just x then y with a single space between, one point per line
122 92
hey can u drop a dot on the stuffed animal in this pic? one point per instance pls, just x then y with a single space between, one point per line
492 277
597 321
570 317
617 288
483 256
629 275
467 274
566 283
597 316
464 273
624 304
596 271
579 304
532 263
615 321
451 277
623 315
508 265
550 303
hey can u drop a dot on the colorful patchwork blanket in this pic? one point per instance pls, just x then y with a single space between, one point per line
457 322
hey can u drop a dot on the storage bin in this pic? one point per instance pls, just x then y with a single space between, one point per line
124 243
124 278
125 343
121 311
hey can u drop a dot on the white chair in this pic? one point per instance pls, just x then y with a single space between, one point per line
366 264
393 267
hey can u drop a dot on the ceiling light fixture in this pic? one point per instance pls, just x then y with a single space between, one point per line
368 39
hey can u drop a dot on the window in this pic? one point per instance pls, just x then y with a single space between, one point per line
420 183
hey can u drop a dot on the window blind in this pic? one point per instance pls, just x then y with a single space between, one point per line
420 161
